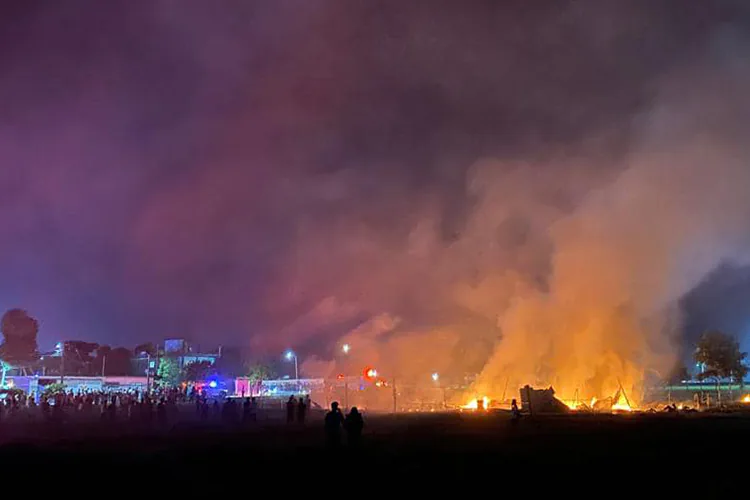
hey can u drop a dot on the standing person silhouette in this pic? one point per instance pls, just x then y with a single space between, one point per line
301 410
290 407
333 422
353 425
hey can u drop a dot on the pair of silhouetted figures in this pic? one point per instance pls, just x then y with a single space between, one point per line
297 407
352 424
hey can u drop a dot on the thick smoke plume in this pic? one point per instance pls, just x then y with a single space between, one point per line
522 190
585 294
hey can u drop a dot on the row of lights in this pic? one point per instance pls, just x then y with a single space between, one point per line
290 355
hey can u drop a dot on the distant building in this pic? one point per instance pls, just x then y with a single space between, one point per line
36 384
186 353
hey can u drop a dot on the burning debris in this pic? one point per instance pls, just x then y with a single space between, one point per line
541 401
544 401
480 404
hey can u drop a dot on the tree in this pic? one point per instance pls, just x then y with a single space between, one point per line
197 371
147 348
118 361
720 354
19 347
79 356
678 374
168 374
52 389
259 371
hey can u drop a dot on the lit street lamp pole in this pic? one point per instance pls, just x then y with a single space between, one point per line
436 378
289 356
345 349
60 347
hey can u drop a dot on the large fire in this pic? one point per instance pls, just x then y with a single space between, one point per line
576 405
746 399
621 403
474 404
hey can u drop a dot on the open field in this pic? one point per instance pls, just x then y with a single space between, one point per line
446 447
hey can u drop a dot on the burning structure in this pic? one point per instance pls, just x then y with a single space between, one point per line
541 401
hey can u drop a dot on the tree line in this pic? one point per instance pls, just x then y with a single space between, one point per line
19 351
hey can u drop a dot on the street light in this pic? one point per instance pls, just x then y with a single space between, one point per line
345 348
435 378
290 355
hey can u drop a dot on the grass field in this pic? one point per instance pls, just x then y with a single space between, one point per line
426 447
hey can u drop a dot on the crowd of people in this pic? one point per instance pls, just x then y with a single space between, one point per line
165 407
162 406
131 405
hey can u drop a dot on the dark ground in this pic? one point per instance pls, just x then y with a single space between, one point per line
467 449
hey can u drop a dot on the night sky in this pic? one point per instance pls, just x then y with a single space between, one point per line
254 172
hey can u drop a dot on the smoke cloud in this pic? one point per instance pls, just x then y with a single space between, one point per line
523 191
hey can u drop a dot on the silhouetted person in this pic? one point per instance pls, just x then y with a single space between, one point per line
308 403
333 421
301 411
290 407
353 425
514 411
216 408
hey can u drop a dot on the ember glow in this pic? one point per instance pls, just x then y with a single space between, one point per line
746 399
621 404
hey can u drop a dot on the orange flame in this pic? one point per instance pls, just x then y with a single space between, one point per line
474 404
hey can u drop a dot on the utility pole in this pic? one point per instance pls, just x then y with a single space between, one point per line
104 364
62 365
148 373
346 393
394 395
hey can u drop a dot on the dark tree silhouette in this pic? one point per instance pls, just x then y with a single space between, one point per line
197 371
79 357
720 354
148 348
258 371
19 347
678 374
118 361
